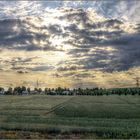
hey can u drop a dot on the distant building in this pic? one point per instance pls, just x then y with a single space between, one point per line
53 92
34 92
25 92
42 92
66 92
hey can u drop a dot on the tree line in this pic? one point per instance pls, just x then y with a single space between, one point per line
66 91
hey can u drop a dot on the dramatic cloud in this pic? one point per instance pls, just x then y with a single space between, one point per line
97 43
76 40
124 9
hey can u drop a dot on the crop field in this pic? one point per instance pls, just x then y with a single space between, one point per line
44 116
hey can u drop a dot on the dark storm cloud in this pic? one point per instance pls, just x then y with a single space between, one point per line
17 39
125 56
102 60
21 60
109 23
18 63
24 65
128 50
83 75
90 43
15 35
126 45
91 34
126 40
55 29
41 68
79 52
33 47
22 72
68 68
79 15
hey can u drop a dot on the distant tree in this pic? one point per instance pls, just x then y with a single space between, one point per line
46 90
36 89
23 88
18 90
9 91
1 89
39 90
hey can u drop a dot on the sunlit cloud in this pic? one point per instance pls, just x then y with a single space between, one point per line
74 44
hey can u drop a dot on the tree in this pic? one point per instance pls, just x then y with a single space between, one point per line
23 88
29 90
39 90
9 91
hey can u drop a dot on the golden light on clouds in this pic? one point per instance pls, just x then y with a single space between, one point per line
66 46
50 79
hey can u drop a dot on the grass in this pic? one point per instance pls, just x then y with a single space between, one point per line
102 107
43 116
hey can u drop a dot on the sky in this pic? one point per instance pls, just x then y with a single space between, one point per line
70 43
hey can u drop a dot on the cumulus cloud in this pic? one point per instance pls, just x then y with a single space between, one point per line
89 39
126 10
67 38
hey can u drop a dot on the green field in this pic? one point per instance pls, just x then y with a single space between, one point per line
43 116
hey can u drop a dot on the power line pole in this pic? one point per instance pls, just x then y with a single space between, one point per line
37 83
137 81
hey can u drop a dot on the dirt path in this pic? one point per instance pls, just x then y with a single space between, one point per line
59 105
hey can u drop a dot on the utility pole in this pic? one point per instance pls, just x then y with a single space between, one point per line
137 81
37 83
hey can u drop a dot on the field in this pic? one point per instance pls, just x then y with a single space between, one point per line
43 116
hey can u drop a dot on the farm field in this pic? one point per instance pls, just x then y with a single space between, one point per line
44 116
